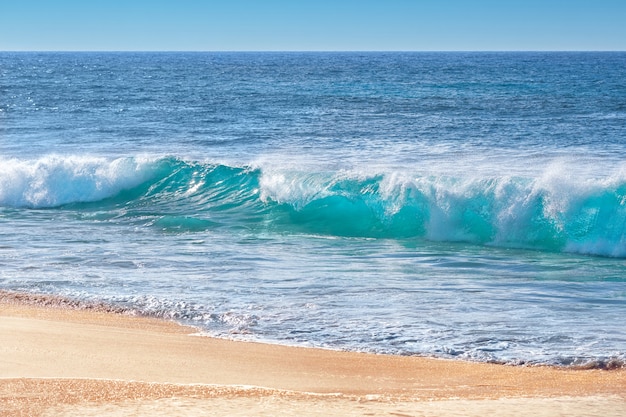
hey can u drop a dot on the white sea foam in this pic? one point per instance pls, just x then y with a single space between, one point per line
55 180
364 170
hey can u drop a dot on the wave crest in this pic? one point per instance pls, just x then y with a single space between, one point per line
54 180
552 212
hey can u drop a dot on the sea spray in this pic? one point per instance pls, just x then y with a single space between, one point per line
552 212
56 180
440 204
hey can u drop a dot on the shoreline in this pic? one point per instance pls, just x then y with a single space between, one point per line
61 357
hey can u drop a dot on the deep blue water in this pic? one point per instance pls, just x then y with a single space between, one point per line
468 205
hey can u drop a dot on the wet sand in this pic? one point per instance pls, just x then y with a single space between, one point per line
58 358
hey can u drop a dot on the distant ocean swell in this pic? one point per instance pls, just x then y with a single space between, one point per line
554 211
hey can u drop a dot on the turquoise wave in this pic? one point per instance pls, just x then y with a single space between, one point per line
548 213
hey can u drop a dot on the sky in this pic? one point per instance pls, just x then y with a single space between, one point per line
315 25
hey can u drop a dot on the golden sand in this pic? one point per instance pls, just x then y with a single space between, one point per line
59 360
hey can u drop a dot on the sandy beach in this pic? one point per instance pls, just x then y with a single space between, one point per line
62 359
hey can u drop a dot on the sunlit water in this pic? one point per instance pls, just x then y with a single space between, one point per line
452 204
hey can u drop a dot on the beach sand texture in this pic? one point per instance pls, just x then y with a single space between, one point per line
59 361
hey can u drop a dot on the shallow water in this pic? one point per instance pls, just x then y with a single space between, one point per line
458 205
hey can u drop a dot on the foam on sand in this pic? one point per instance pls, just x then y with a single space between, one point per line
63 361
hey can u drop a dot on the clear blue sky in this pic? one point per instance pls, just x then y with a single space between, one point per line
252 25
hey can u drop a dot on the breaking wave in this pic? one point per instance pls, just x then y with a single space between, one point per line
550 212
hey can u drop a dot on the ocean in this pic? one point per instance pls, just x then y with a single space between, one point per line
455 205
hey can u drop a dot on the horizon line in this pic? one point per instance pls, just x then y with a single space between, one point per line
307 50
